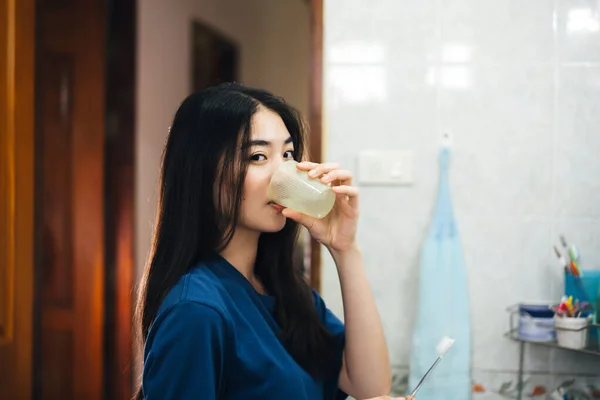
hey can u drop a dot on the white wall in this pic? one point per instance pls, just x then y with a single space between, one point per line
518 84
281 59
273 36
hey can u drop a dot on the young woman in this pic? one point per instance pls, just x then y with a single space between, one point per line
222 311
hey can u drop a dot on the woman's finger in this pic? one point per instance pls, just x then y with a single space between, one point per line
306 165
321 169
350 191
342 175
300 218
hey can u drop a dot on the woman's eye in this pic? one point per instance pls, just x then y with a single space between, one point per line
258 157
289 154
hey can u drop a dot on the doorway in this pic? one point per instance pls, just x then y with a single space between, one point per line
214 57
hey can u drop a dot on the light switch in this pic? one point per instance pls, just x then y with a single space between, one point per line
385 167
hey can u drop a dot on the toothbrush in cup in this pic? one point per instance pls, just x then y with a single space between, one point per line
442 348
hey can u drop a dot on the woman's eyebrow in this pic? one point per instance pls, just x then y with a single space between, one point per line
266 143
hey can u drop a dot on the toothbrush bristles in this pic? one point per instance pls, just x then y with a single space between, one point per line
444 345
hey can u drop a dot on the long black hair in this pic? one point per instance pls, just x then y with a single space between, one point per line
207 153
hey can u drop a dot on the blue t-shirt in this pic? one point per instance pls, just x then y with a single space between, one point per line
215 337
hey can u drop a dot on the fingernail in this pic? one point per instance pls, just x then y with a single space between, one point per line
325 178
312 173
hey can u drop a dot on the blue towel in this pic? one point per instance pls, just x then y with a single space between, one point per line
443 306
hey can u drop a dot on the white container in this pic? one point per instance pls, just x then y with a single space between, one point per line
293 188
572 333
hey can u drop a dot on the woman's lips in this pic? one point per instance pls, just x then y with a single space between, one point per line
276 206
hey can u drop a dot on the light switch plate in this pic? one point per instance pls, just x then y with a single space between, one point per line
385 167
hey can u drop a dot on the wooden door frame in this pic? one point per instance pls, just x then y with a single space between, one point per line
17 50
315 117
119 192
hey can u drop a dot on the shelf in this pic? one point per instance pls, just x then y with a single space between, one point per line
592 348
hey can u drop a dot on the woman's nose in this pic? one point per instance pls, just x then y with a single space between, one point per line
273 166
277 163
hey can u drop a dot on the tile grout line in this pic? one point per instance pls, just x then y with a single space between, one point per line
555 122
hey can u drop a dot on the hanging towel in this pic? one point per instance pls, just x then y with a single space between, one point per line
443 305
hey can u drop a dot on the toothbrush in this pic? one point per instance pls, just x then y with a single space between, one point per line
562 261
442 348
573 254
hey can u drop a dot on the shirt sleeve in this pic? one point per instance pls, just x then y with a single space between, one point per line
185 354
331 322
336 328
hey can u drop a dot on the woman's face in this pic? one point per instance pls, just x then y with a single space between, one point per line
270 145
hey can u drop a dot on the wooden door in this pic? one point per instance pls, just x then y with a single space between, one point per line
71 111
315 117
16 197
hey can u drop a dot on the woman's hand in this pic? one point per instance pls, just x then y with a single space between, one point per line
337 231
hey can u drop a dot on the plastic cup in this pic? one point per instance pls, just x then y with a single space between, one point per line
294 189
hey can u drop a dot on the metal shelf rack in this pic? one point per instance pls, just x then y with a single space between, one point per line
592 349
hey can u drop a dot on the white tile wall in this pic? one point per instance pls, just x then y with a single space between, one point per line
517 82
503 32
578 30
